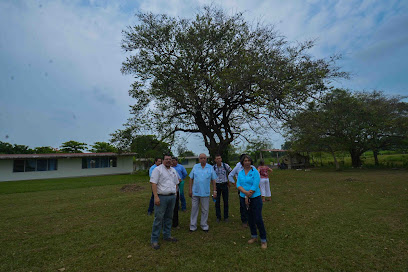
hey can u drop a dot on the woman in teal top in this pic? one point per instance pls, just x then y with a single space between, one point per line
248 185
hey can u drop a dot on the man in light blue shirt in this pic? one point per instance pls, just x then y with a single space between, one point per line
183 174
157 162
201 176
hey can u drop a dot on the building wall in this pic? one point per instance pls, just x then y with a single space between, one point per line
67 167
189 163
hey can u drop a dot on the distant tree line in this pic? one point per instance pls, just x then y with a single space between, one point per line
354 122
67 147
146 146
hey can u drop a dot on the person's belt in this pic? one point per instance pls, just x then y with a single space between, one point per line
167 194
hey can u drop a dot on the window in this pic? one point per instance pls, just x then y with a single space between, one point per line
18 166
41 165
52 164
99 162
184 162
31 165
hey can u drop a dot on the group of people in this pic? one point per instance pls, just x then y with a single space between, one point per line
167 181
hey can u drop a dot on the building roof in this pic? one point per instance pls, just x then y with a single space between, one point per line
62 155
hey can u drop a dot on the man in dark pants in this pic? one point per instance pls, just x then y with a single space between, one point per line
222 170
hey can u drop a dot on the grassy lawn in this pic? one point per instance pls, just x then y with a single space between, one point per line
319 220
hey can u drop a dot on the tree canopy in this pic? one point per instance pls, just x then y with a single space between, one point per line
101 147
215 75
73 147
352 122
44 150
7 148
148 146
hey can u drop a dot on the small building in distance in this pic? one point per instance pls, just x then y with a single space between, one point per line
188 162
61 165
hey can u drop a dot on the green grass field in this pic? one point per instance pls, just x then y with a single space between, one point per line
319 220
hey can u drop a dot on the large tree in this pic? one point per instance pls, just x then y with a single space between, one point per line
216 75
353 122
387 121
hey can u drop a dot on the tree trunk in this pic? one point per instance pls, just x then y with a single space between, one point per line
221 149
375 152
355 158
335 160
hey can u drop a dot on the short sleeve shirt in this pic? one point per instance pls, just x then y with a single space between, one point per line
222 172
263 171
166 179
249 181
202 178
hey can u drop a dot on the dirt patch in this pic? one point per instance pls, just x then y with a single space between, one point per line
131 188
352 179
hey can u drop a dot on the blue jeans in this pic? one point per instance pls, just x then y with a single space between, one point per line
151 205
242 209
255 217
163 217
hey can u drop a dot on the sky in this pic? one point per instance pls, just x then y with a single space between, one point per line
60 60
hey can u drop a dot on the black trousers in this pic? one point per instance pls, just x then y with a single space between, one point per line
222 189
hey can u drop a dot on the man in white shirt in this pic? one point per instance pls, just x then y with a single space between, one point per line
164 182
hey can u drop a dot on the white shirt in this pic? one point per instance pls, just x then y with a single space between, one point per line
166 179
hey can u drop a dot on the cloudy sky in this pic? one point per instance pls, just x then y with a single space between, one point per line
60 74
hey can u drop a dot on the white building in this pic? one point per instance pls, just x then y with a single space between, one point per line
58 165
188 162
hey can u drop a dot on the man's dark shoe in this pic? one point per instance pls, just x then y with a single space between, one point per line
226 220
218 220
149 213
206 230
155 245
170 239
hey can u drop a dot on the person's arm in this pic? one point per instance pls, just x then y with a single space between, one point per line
156 196
214 188
229 169
255 184
154 179
190 191
191 182
213 180
184 173
233 173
